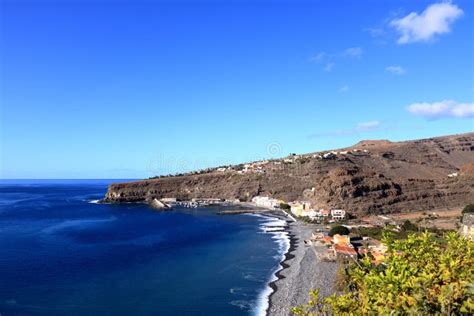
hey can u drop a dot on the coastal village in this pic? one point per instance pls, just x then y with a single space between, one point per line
337 237
261 166
333 245
312 204
336 234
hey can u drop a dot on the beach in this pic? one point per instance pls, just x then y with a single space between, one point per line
302 271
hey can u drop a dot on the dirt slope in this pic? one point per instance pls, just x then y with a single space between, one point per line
372 177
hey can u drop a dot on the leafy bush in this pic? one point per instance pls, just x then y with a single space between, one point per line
285 206
409 226
468 209
423 275
341 230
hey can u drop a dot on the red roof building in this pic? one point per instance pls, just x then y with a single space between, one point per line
345 250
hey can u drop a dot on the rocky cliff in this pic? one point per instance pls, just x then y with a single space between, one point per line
369 177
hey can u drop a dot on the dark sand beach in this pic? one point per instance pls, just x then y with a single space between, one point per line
302 271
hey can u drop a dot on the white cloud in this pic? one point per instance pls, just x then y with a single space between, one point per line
375 31
353 52
442 109
318 57
344 89
368 126
436 19
397 70
328 67
328 60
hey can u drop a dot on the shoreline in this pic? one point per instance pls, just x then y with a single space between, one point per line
301 270
284 265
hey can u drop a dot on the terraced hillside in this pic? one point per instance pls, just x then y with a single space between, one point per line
369 177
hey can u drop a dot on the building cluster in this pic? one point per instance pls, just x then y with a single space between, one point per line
301 209
325 155
304 209
267 202
254 167
345 246
260 166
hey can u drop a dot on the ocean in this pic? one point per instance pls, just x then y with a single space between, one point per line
61 253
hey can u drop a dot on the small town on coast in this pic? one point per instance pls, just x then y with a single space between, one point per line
326 242
236 157
346 213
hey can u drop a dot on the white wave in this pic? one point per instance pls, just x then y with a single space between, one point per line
244 305
237 290
282 239
94 201
273 229
76 223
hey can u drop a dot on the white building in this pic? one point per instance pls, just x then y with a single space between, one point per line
265 201
338 214
329 155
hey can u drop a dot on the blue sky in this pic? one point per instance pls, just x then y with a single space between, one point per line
131 89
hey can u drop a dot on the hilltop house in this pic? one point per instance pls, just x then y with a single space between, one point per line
329 155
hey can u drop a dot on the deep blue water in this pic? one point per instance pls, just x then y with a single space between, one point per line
62 255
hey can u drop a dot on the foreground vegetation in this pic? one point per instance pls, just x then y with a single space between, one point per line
423 274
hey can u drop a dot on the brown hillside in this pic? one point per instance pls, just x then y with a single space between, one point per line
385 177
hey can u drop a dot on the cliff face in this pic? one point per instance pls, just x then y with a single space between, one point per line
372 177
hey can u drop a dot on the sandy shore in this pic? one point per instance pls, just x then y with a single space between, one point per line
302 271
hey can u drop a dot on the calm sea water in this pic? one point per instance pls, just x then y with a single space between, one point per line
60 254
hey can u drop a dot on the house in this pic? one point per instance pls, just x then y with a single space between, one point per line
265 201
377 249
338 214
329 155
313 214
324 213
300 208
168 200
297 209
327 240
341 239
344 250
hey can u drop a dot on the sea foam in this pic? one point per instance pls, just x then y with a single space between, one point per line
274 226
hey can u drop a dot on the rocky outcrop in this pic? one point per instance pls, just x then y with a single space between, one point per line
157 204
372 177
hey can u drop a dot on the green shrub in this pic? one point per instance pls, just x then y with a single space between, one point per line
285 206
409 226
468 209
422 275
341 230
